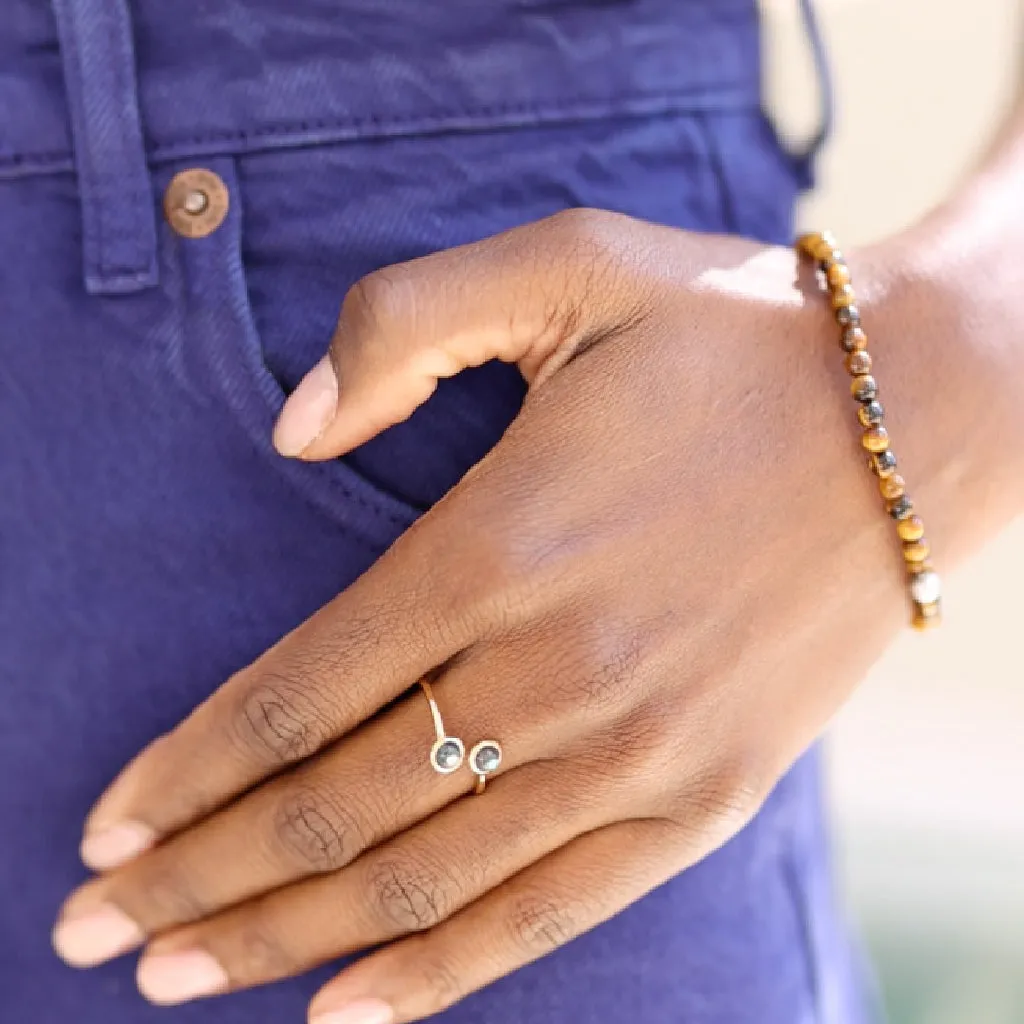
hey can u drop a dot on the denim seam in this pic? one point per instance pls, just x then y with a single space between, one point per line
252 397
791 879
564 110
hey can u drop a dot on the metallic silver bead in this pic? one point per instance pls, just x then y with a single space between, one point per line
926 588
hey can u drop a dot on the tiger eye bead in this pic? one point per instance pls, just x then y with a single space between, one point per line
854 340
871 415
900 509
864 388
893 487
883 464
813 244
848 316
916 550
858 363
911 528
843 296
875 439
927 616
827 248
837 274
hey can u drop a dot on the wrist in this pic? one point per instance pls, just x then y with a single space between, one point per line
950 354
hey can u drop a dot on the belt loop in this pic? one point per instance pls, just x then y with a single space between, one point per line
119 234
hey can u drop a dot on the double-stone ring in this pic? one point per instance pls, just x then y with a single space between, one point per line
448 753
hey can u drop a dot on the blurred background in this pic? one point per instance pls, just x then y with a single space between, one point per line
928 759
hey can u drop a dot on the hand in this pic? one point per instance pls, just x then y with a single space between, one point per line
653 592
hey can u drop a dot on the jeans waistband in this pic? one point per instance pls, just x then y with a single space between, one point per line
216 76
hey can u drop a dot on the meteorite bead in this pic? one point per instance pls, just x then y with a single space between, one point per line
853 339
858 363
883 464
900 509
864 388
871 415
848 316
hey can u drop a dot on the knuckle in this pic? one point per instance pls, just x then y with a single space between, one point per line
609 290
590 238
314 831
584 226
279 720
378 302
539 924
262 954
407 896
444 985
491 586
438 980
611 670
162 897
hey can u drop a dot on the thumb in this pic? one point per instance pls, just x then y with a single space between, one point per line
528 296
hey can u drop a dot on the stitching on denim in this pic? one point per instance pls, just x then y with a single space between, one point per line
679 102
52 156
122 88
562 106
113 273
91 230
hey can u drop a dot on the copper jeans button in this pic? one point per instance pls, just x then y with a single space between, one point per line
196 202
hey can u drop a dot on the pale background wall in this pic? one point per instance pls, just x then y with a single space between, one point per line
928 759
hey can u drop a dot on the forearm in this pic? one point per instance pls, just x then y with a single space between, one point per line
949 296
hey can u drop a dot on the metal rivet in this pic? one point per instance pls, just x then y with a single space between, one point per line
196 202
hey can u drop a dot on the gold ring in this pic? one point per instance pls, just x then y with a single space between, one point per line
448 752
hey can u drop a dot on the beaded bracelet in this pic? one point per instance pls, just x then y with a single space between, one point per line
923 582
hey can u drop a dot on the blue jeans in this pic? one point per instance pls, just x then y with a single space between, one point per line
151 542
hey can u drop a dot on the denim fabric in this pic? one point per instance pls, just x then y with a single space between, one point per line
151 542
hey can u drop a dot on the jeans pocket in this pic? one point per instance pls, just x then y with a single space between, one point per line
223 349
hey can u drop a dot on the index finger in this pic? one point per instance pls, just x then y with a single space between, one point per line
397 622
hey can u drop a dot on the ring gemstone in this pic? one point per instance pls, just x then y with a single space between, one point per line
486 758
447 756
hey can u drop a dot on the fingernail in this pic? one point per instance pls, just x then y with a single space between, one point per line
308 411
363 1011
100 935
111 847
169 978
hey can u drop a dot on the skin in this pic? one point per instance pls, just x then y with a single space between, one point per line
655 591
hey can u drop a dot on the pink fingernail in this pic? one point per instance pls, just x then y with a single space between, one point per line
112 846
308 411
170 978
362 1011
95 937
